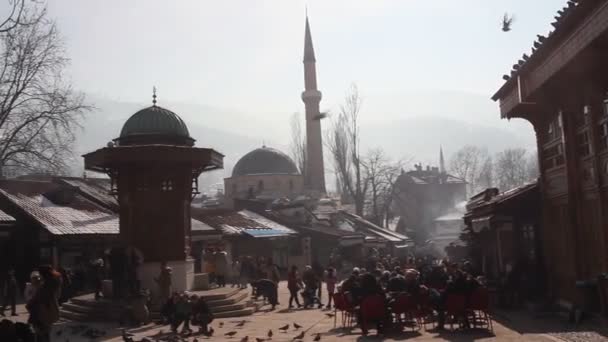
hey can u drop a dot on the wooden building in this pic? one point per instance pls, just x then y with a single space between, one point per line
502 230
560 87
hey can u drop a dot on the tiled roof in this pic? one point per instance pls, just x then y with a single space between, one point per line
497 198
242 222
368 228
430 177
95 188
199 227
5 218
77 216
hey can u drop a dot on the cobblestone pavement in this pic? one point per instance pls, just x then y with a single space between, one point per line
508 327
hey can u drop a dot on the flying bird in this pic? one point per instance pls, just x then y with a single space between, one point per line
317 338
270 334
296 326
241 323
507 21
284 328
299 337
245 339
329 314
321 116
221 324
257 339
230 333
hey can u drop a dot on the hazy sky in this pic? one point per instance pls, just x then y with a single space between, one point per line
247 55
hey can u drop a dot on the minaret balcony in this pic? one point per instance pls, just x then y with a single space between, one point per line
311 95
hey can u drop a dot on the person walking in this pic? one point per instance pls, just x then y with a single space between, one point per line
221 267
10 293
331 279
164 282
294 284
44 307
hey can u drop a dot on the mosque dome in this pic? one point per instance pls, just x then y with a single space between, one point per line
265 160
155 125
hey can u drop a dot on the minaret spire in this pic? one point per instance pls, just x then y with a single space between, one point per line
314 171
309 51
441 160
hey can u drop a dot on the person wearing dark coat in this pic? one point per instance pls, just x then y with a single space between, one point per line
201 314
9 292
43 307
267 289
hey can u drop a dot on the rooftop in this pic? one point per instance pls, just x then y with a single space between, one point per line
241 223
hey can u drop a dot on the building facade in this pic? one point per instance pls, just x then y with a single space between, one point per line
561 89
424 195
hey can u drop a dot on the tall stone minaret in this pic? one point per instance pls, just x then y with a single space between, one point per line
314 172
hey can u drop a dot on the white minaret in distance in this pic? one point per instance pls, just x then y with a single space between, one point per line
314 172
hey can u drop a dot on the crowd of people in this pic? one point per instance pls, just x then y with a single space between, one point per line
42 298
314 286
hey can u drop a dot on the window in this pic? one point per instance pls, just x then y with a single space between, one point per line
588 174
582 144
166 185
261 185
553 156
603 135
291 185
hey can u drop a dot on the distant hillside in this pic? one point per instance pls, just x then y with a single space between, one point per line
234 134
419 138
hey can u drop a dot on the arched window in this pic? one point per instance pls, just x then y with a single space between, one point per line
261 185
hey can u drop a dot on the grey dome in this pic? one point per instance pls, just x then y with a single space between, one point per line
265 160
155 125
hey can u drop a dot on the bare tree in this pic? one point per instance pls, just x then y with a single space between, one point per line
342 140
532 171
39 111
469 163
297 146
485 177
511 170
18 16
375 164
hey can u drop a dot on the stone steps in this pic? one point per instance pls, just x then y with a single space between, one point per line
234 303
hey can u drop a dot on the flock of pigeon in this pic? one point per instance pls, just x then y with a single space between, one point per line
127 337
80 330
284 329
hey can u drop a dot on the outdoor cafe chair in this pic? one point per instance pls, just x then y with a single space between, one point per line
455 310
373 309
404 309
343 304
478 308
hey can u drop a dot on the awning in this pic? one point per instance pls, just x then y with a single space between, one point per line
348 241
266 233
481 223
